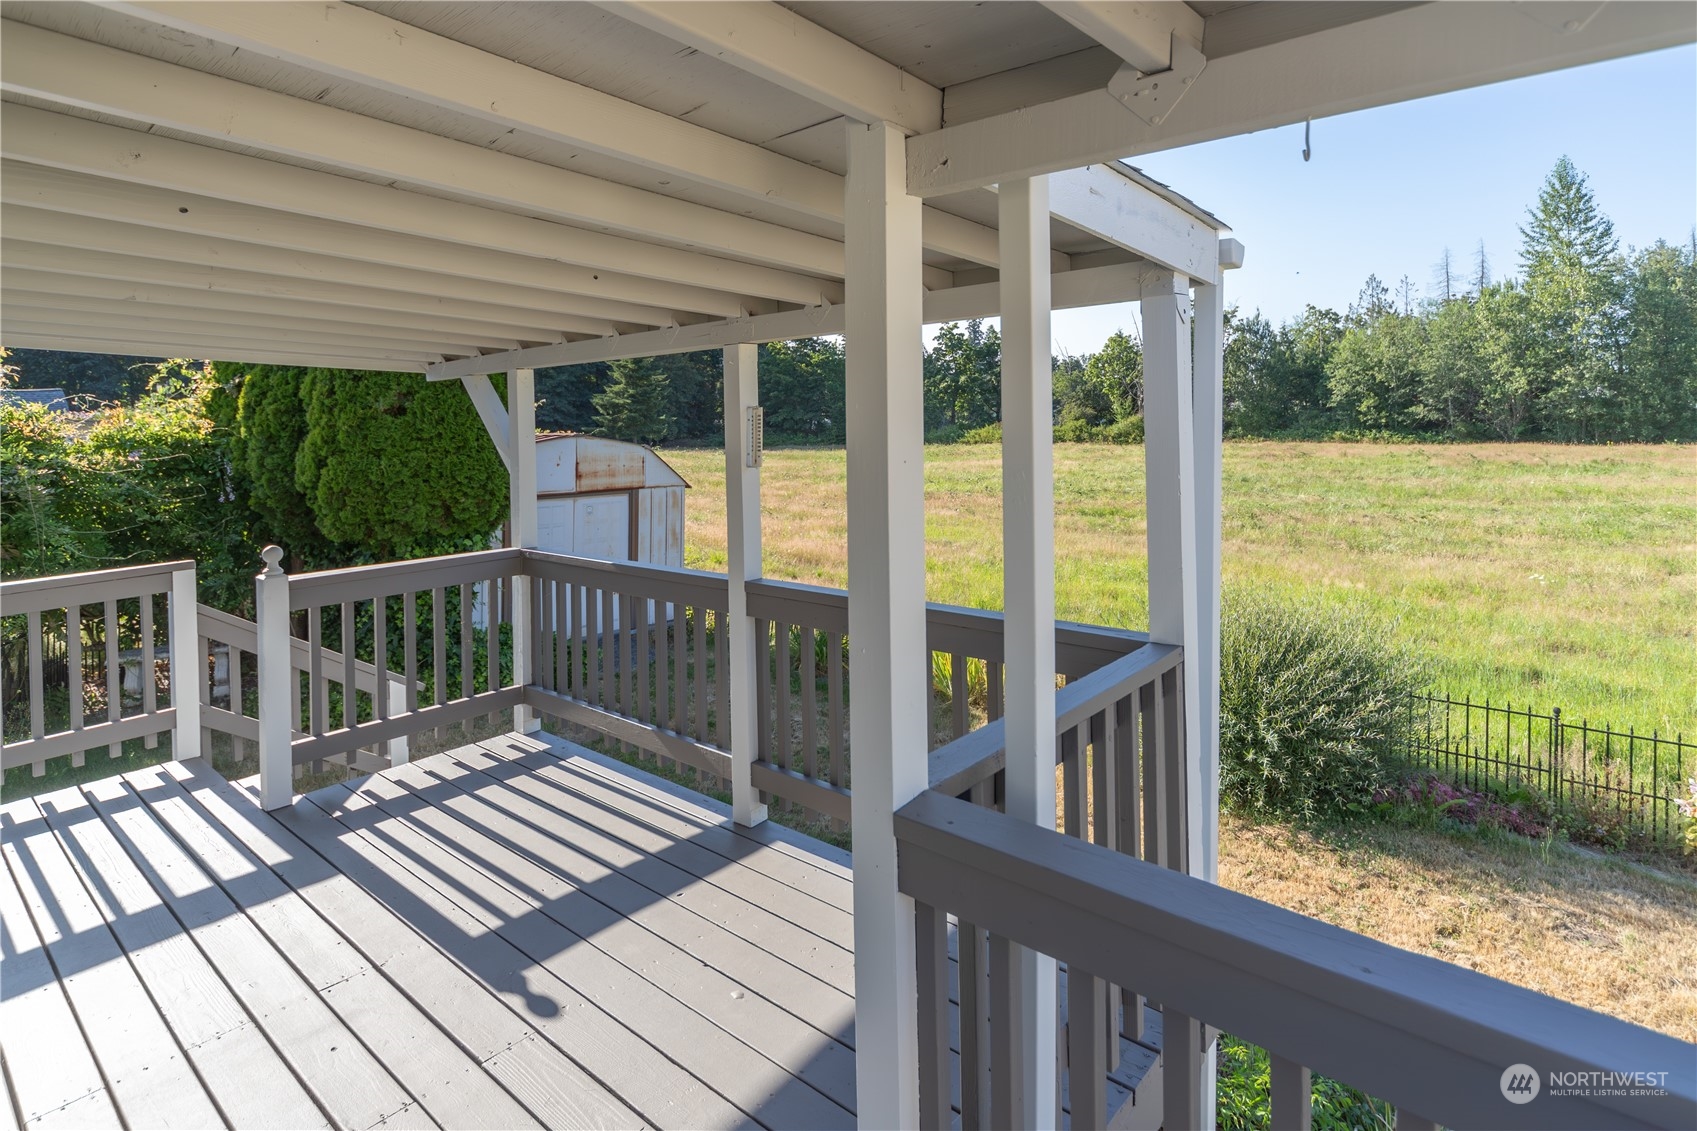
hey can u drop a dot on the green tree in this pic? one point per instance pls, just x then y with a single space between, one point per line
963 377
802 386
1079 401
634 403
1117 370
1659 397
270 431
1573 283
1373 374
397 466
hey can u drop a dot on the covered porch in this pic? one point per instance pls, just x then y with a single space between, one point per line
1028 932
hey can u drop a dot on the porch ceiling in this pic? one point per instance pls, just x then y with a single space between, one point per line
398 184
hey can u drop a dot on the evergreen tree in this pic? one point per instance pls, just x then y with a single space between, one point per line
1481 270
634 403
1659 398
1573 283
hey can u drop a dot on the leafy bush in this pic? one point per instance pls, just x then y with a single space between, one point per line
1244 1094
1313 700
988 434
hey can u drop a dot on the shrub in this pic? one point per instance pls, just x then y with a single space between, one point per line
1244 1095
1127 430
985 434
1313 700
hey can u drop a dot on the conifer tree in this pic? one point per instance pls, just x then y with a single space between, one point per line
633 404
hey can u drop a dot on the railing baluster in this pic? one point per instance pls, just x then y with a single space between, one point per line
603 658
958 693
1181 1079
350 678
37 687
468 670
931 931
149 684
1072 786
973 990
380 653
73 669
993 689
1292 1088
785 753
809 703
1125 755
834 705
1007 1023
439 648
763 690
1086 1048
409 645
1408 1121
702 631
627 658
114 682
680 669
722 666
317 694
1154 776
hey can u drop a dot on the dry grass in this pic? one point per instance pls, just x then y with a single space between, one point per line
1598 932
1542 574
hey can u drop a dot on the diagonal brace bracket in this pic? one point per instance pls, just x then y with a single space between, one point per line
1151 96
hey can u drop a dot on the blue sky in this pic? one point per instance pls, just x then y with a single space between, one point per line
1388 189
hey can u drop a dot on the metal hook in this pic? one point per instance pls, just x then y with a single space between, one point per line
1307 139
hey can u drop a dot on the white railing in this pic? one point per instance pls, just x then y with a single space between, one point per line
82 655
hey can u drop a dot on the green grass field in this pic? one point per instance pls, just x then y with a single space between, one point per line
1545 575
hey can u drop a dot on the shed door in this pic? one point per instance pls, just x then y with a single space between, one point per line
554 526
601 527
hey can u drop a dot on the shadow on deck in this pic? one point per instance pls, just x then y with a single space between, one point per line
517 933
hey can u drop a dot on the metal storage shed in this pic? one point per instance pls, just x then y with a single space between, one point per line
608 499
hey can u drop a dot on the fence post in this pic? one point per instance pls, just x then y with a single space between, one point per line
1556 752
188 666
276 670
400 749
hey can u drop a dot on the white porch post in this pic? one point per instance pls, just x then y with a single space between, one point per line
886 605
743 563
188 665
1207 395
521 499
1028 593
277 709
1172 486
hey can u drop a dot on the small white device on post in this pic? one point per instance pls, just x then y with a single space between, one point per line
756 447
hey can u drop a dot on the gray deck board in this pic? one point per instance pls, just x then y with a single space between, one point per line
340 1071
538 913
150 1080
538 1074
826 1006
425 1060
56 1080
523 853
516 933
240 1068
662 1096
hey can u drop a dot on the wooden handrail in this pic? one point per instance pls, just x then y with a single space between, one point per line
35 594
1421 1033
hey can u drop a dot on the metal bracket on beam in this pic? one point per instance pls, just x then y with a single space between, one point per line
1151 96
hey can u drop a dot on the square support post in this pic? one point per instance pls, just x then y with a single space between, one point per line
188 665
1207 397
521 501
277 683
1176 496
886 607
743 564
1028 597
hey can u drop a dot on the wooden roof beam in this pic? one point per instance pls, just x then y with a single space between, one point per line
278 353
361 46
770 41
1402 54
1141 33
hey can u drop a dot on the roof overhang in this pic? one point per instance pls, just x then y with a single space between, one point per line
463 188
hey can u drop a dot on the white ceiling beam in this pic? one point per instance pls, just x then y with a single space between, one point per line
283 353
61 230
783 48
168 323
369 48
75 288
1403 54
1096 286
761 257
78 194
139 269
65 142
493 413
1110 206
1140 33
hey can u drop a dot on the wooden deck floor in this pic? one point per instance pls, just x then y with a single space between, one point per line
513 934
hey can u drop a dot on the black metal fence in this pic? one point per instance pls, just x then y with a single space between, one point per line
1627 784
